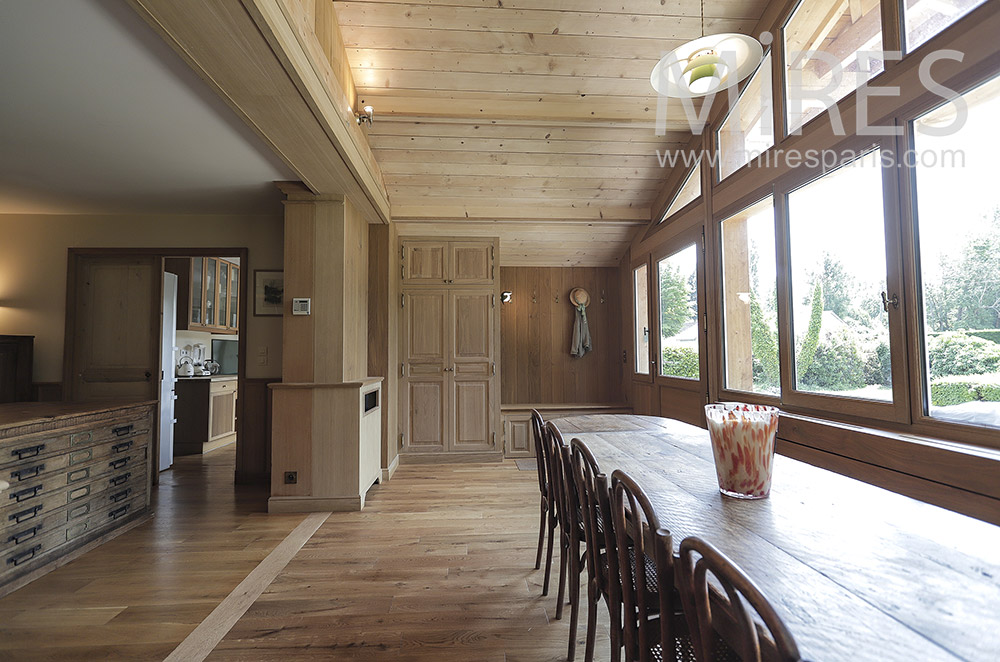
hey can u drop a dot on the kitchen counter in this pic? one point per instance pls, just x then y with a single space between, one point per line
19 414
211 378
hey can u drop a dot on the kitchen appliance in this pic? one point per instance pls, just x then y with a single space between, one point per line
226 354
186 367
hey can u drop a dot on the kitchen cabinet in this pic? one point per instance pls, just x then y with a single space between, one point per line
206 414
439 262
208 294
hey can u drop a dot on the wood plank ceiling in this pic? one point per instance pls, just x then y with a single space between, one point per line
531 119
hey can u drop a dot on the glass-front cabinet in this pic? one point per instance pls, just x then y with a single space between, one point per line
214 295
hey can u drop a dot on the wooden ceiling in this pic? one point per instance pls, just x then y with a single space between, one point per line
534 118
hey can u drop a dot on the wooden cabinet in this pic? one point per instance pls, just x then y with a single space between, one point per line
206 414
78 474
208 294
459 262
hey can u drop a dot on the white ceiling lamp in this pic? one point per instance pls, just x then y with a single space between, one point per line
707 64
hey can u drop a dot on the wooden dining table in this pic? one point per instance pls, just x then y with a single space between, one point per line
855 571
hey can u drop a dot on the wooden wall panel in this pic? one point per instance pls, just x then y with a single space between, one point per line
536 329
253 457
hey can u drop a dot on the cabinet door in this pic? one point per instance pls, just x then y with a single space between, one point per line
472 370
424 262
211 291
470 262
197 291
221 414
517 441
424 385
234 298
223 293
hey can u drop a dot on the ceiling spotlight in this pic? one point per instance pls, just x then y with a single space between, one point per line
367 116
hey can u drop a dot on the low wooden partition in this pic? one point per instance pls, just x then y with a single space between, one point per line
517 422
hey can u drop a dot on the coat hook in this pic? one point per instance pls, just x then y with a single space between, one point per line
557 298
602 296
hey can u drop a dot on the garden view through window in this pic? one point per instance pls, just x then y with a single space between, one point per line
958 221
840 329
678 313
750 300
641 312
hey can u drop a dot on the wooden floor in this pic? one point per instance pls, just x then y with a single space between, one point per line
439 566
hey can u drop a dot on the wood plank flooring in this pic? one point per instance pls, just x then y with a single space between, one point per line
439 566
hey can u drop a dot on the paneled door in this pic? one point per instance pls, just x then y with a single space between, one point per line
448 393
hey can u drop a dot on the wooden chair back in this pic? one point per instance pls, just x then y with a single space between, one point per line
541 452
560 480
594 495
638 532
740 630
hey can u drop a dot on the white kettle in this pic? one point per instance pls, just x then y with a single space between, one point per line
186 367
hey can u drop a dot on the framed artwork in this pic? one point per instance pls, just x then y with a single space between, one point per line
268 292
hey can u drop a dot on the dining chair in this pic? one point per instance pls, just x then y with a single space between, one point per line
571 534
704 602
654 627
548 519
603 580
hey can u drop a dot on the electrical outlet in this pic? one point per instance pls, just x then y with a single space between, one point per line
291 477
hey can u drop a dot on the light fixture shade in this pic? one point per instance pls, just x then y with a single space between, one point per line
706 65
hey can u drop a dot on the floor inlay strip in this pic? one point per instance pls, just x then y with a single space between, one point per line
197 646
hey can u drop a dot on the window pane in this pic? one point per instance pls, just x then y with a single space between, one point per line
750 300
958 219
925 18
831 48
679 330
689 192
840 330
641 320
749 128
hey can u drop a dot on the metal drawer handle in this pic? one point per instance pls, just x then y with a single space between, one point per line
29 451
123 430
18 559
118 512
118 464
28 493
118 480
30 472
27 534
25 515
118 496
124 446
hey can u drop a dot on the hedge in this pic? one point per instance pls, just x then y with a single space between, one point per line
956 390
680 362
986 334
956 353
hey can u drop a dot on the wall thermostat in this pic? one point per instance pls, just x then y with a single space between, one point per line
301 306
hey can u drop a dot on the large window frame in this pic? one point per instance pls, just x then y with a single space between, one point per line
652 364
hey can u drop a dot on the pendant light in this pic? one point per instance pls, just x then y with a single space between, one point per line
707 64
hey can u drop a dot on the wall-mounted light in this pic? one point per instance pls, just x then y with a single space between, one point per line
366 117
505 297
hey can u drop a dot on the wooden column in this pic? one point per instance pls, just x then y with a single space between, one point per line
324 443
383 325
736 285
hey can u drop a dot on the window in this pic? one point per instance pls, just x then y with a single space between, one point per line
689 192
840 330
679 328
750 300
640 280
958 232
831 48
925 18
749 128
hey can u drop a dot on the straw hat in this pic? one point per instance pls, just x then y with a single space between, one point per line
579 297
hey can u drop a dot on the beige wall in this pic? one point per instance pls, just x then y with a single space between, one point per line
33 258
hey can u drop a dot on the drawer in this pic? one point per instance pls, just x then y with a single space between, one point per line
71 461
121 428
24 538
28 451
32 528
104 513
223 387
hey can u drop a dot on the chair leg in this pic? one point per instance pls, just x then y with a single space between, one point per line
541 535
616 632
574 597
593 597
563 562
548 557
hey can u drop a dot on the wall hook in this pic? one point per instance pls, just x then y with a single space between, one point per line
602 296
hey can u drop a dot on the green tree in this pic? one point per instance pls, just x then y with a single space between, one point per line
839 288
808 349
674 296
764 349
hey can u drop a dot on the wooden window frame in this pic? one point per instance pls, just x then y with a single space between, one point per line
635 266
715 174
680 187
694 235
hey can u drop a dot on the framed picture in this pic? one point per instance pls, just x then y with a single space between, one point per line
268 292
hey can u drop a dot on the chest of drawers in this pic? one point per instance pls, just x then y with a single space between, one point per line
77 474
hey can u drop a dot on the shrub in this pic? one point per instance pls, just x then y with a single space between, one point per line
681 362
992 335
958 389
836 366
956 353
807 352
878 366
764 349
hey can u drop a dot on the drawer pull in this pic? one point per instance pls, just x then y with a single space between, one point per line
118 464
118 480
118 512
118 496
28 451
30 472
25 515
27 534
25 494
18 559
124 446
123 430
